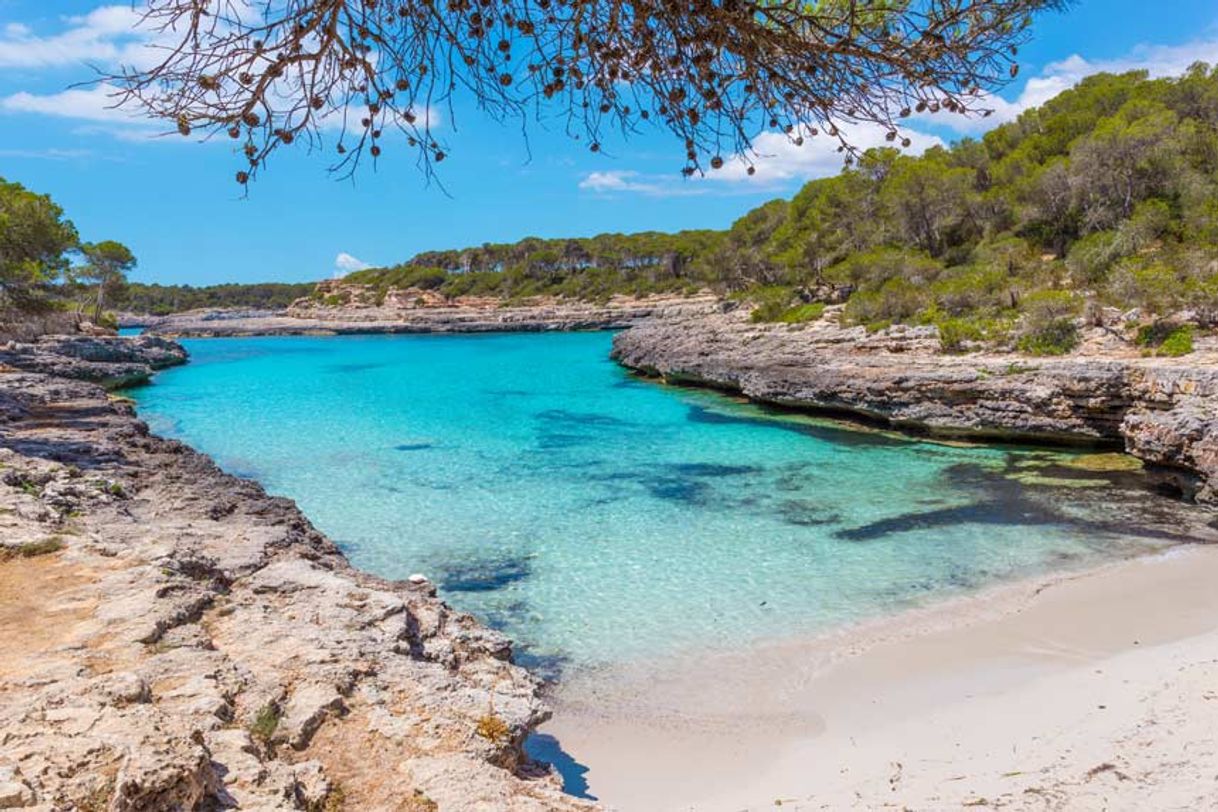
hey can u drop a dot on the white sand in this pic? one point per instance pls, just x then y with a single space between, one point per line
1093 691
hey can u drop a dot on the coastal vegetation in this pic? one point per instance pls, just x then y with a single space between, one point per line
159 300
45 268
1105 196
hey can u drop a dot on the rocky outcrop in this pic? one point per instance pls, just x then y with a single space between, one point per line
1162 410
175 638
468 316
110 361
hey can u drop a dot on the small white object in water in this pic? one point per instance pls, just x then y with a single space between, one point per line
417 578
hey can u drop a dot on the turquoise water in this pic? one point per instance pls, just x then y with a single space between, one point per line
596 517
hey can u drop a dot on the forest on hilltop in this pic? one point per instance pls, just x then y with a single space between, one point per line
1105 195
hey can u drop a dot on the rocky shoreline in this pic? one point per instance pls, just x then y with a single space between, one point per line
481 316
1162 410
175 638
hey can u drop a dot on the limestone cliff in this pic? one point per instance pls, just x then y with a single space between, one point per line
1163 410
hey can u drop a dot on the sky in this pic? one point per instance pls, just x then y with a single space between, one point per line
175 203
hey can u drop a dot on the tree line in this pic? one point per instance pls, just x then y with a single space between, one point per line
44 264
160 300
1107 195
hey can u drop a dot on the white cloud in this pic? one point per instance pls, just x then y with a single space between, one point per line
344 263
111 36
107 34
1157 60
619 180
94 107
94 104
778 158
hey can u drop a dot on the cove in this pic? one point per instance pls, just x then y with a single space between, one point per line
598 518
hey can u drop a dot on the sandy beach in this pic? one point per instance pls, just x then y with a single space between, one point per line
1094 690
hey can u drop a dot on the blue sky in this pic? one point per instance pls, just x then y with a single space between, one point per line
175 203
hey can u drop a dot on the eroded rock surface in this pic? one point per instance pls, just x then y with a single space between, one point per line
111 361
175 638
1164 410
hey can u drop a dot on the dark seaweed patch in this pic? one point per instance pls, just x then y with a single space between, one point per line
708 469
486 575
594 419
675 489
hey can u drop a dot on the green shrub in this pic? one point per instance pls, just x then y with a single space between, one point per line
956 331
1165 338
898 300
265 723
1180 342
968 289
1054 337
953 333
802 313
876 267
771 302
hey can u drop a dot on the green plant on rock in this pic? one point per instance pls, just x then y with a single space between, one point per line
265 723
419 802
1048 326
33 549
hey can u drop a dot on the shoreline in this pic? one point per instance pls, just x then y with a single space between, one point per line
963 693
179 638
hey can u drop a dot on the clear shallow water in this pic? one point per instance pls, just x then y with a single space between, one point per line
596 517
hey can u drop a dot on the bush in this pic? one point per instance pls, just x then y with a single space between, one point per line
897 300
771 302
803 313
493 728
1164 338
971 288
1152 286
1091 257
955 332
877 267
1180 342
1055 337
